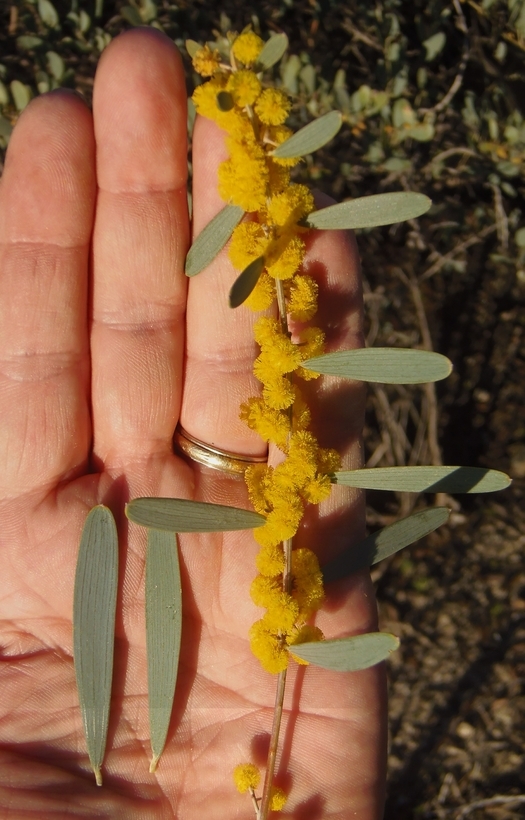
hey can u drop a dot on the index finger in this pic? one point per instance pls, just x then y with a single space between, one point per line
220 348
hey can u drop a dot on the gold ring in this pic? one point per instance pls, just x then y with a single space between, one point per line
202 453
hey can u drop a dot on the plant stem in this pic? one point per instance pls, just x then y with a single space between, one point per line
279 702
281 303
272 751
255 802
264 806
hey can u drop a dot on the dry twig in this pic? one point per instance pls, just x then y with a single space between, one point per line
463 246
497 800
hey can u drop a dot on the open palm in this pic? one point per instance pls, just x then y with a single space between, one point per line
103 348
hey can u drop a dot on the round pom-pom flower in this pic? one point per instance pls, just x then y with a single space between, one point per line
247 47
285 256
268 648
273 106
205 61
244 87
302 298
263 294
278 799
246 776
243 180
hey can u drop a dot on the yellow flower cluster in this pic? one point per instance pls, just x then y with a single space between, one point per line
253 178
247 776
289 586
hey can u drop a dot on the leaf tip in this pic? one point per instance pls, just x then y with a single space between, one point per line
153 764
98 775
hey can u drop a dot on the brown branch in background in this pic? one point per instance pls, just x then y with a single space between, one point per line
448 257
361 37
502 223
497 800
415 291
461 24
429 388
418 454
400 443
509 38
450 152
372 301
383 450
13 20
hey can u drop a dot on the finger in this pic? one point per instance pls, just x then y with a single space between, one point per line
46 212
220 347
337 405
139 246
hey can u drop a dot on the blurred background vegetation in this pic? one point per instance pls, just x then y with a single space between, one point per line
433 94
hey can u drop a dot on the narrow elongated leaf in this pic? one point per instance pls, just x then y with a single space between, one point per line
370 211
389 365
272 51
245 283
212 239
348 654
426 479
181 515
163 633
311 137
385 542
94 604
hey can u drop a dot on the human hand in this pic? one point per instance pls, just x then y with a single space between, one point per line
104 346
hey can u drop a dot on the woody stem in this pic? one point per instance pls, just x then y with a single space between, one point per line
279 702
264 806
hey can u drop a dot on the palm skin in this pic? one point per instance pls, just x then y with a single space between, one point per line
104 346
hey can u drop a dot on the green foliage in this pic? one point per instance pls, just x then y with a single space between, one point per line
94 607
348 654
163 592
403 124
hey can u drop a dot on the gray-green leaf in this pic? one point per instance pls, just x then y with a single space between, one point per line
192 47
434 45
94 605
245 282
21 94
48 13
348 654
27 42
387 365
272 51
163 633
311 137
426 479
131 15
182 515
385 542
212 239
370 211
5 127
55 65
